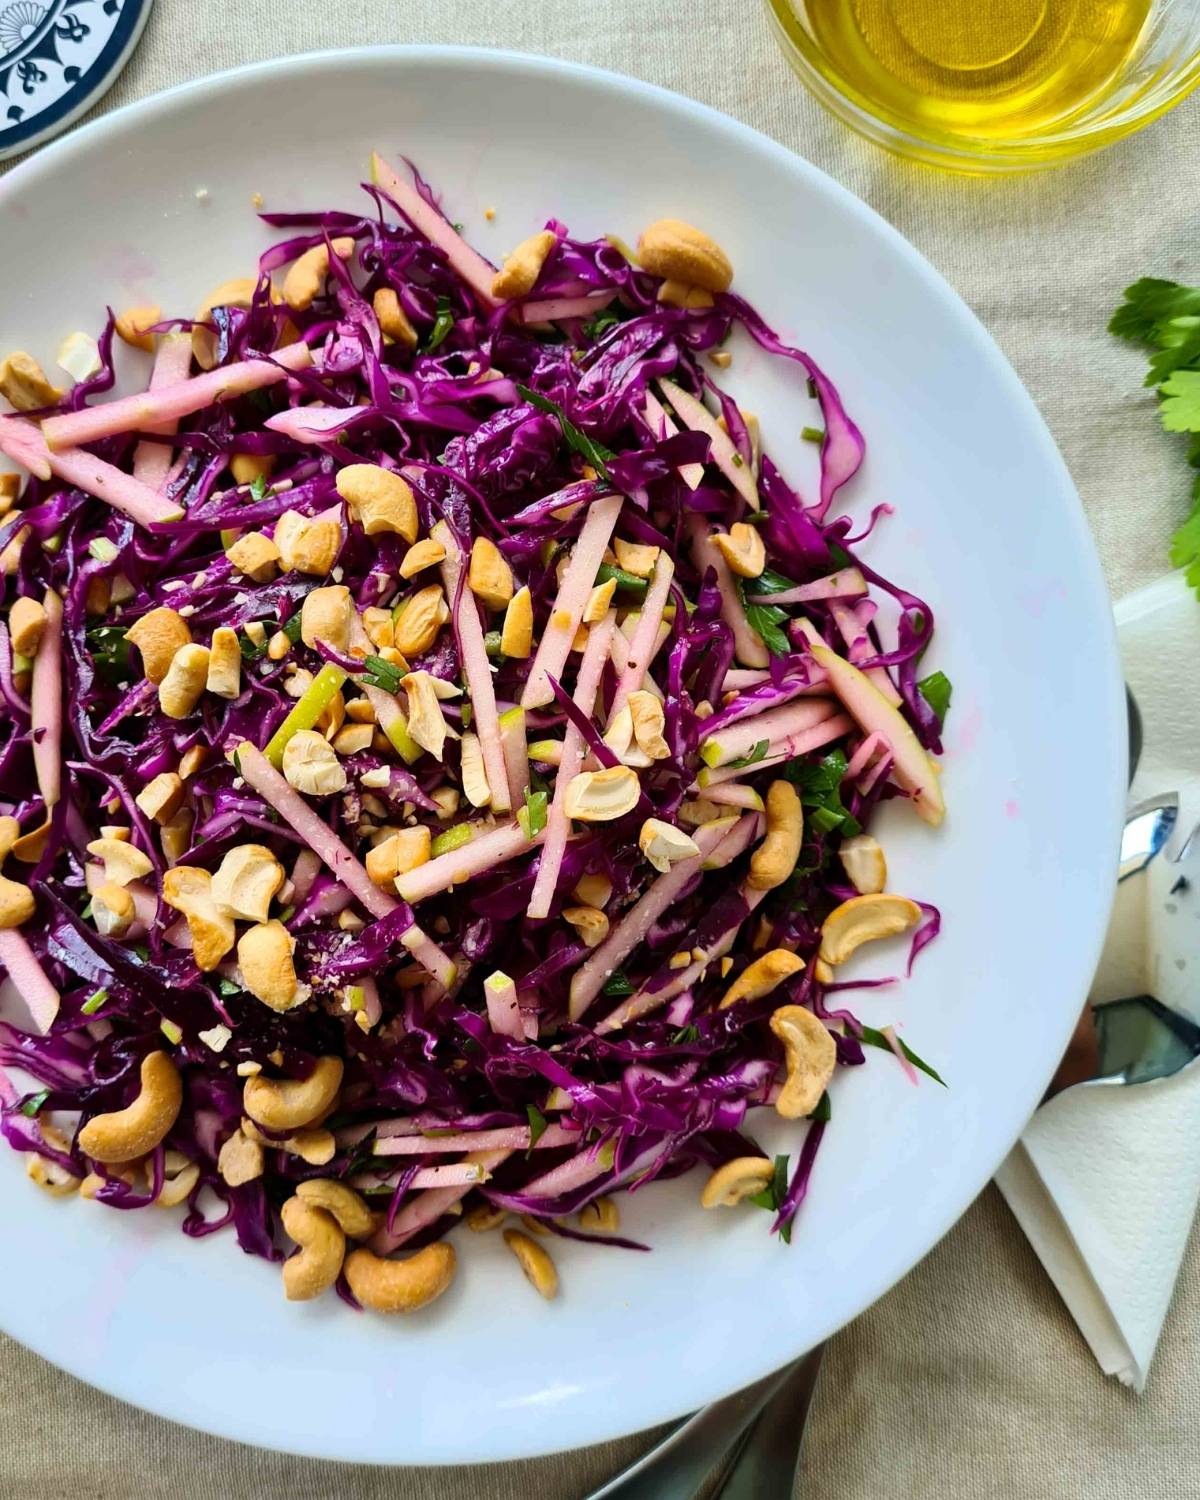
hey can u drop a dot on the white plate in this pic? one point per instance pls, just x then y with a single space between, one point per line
988 527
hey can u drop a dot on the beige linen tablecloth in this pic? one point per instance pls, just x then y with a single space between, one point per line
968 1378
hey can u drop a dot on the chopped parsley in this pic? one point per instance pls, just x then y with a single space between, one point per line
32 1106
442 325
537 1125
617 986
532 817
819 784
382 674
588 449
875 1038
758 752
260 488
600 324
94 1002
936 690
766 621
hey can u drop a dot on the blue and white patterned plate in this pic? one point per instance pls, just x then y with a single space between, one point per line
57 57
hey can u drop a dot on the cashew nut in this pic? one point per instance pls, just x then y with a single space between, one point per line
679 252
247 468
16 903
599 796
598 602
378 625
286 1104
176 835
680 294
474 777
775 858
489 575
306 275
51 1176
246 880
23 383
594 889
762 976
635 557
183 686
141 1126
535 1261
392 319
326 615
864 863
811 1056
648 721
383 501
589 922
265 959
742 548
421 555
224 677
344 1204
516 634
602 1214
132 324
240 1159
315 1267
255 555
26 625
354 738
158 635
314 1146
113 910
180 1176
397 853
161 798
400 1286
863 919
484 1217
426 722
311 766
123 861
521 269
306 545
737 1179
416 627
665 845
189 890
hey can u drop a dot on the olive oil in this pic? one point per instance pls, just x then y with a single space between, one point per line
982 68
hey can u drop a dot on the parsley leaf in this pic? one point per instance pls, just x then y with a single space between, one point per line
765 620
600 324
110 652
775 1192
875 1038
260 489
537 1125
770 582
936 690
588 449
382 674
617 986
685 1034
442 325
532 817
757 753
819 784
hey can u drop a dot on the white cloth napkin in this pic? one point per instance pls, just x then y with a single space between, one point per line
1106 1179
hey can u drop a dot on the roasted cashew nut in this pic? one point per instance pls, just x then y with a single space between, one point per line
737 1179
400 1286
762 976
535 1261
864 863
346 1206
315 1267
142 1125
863 919
775 858
602 1215
286 1104
811 1055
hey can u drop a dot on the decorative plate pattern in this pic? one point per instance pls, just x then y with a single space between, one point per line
57 57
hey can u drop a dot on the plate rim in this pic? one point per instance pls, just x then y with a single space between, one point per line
1090 576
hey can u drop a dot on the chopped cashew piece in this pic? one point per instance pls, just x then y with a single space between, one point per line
680 294
26 625
397 853
79 356
635 557
400 1286
516 634
240 1160
864 863
123 861
161 798
863 919
23 383
589 922
594 889
307 545
598 602
133 324
762 976
182 688
318 1262
265 959
326 615
426 553
743 549
189 890
158 635
310 764
255 555
354 738
775 858
489 576
142 1125
381 499
535 1261
811 1056
16 903
112 909
392 319
416 627
648 720
737 1179
665 845
306 275
679 252
474 777
601 1214
426 722
246 880
248 467
224 663
600 796
521 269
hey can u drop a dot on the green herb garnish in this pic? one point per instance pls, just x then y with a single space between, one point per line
823 1111
769 582
588 449
685 1034
103 550
600 324
382 674
775 1191
94 1002
532 817
875 1038
819 785
766 620
442 325
936 690
292 628
109 651
537 1126
32 1106
260 488
758 752
617 986
813 434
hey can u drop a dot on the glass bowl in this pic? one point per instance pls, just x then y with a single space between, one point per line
1161 68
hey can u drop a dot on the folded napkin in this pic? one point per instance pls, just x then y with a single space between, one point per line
1106 1179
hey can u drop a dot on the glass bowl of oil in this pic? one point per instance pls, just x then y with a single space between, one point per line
993 85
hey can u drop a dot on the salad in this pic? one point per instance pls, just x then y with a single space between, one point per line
439 752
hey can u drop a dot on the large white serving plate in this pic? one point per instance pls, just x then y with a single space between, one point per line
153 204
